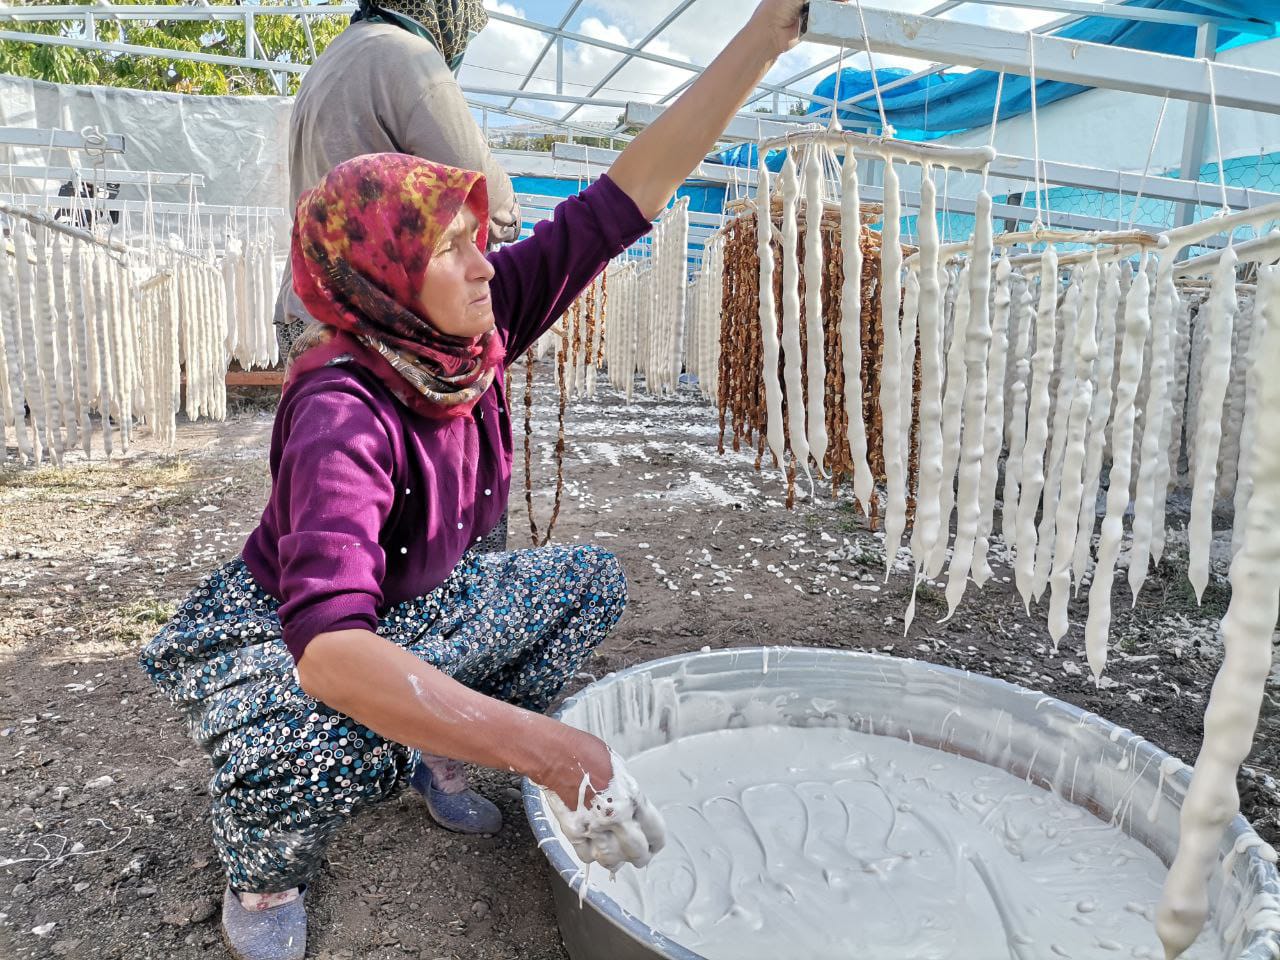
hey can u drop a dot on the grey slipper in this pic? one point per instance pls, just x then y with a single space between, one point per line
463 811
277 933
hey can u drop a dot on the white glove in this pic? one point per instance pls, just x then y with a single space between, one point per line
618 826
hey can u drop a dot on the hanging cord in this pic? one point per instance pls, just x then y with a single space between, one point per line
1035 132
1217 136
886 129
834 122
995 118
1142 184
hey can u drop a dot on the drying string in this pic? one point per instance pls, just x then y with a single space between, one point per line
995 118
886 130
1217 136
834 123
1142 184
1035 124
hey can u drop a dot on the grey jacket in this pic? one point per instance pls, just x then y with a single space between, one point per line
377 89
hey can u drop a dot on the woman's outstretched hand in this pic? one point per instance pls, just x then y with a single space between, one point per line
654 164
577 764
614 824
779 21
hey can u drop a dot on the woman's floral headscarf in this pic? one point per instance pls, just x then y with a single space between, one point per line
362 240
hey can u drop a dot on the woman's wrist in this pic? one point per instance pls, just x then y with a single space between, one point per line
760 38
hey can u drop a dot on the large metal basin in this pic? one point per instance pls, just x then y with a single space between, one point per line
1084 758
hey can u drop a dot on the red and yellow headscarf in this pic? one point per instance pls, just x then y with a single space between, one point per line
362 240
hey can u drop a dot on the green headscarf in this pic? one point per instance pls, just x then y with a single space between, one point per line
449 24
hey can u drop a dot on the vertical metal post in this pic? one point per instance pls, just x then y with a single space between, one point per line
484 124
248 34
1193 138
560 66
90 27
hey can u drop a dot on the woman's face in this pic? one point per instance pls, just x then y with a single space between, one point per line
455 290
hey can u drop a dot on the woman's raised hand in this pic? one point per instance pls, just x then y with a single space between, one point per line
779 20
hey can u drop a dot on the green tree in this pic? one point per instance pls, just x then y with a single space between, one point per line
281 38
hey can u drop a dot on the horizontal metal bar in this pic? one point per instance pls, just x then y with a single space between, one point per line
580 129
1070 61
60 139
965 158
164 53
1115 181
538 95
157 11
743 127
538 201
95 175
596 160
1264 249
1120 11
40 201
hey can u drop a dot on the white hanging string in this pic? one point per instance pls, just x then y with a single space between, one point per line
1217 136
1035 126
886 130
995 119
1142 184
834 122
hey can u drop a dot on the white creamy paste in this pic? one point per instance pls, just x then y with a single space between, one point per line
952 417
1066 373
994 418
891 393
792 357
1137 325
815 365
1021 319
1214 376
851 331
791 842
977 345
1032 472
1231 717
929 473
1071 487
1099 419
769 321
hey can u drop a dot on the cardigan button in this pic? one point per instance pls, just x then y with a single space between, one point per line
488 493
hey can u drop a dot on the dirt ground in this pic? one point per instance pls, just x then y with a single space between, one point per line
104 850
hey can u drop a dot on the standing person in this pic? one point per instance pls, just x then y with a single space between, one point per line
387 84
359 631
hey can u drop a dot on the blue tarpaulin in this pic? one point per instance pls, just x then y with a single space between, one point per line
960 101
950 102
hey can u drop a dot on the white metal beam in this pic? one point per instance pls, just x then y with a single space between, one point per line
165 53
1070 61
546 47
1124 11
40 201
502 92
744 127
549 121
91 175
1005 168
60 139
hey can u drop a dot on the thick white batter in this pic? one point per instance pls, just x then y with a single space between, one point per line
826 843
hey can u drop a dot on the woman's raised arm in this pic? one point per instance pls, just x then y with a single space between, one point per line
656 162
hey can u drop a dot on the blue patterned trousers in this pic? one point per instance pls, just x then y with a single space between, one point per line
289 770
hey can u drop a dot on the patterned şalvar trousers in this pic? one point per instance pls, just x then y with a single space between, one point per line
288 769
